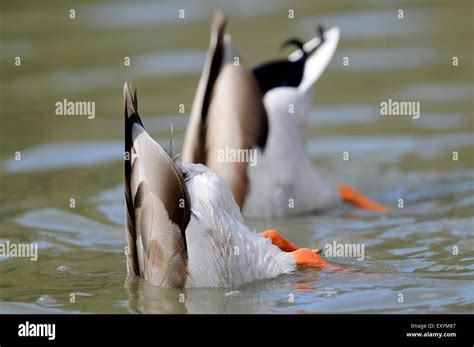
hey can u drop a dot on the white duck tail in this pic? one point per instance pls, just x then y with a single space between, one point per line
285 181
183 227
324 47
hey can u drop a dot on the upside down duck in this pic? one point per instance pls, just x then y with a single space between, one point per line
184 228
265 110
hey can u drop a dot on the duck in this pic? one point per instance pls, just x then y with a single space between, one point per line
184 228
264 112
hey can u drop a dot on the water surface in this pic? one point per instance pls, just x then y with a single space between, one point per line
408 251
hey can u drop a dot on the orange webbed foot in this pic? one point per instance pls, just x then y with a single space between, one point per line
308 257
280 241
302 256
353 196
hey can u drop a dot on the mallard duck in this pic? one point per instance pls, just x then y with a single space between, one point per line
263 112
183 225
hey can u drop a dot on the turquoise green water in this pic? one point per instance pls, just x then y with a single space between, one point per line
409 251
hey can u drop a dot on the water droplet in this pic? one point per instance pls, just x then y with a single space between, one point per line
329 294
63 268
45 299
232 293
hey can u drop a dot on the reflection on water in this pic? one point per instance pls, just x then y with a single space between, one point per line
170 63
162 64
410 250
167 13
65 155
369 24
392 148
75 154
73 229
438 92
387 58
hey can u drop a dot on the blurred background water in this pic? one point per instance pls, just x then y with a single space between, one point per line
408 251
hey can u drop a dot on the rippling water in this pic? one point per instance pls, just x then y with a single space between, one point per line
408 251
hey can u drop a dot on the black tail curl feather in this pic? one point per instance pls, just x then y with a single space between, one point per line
294 42
282 72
